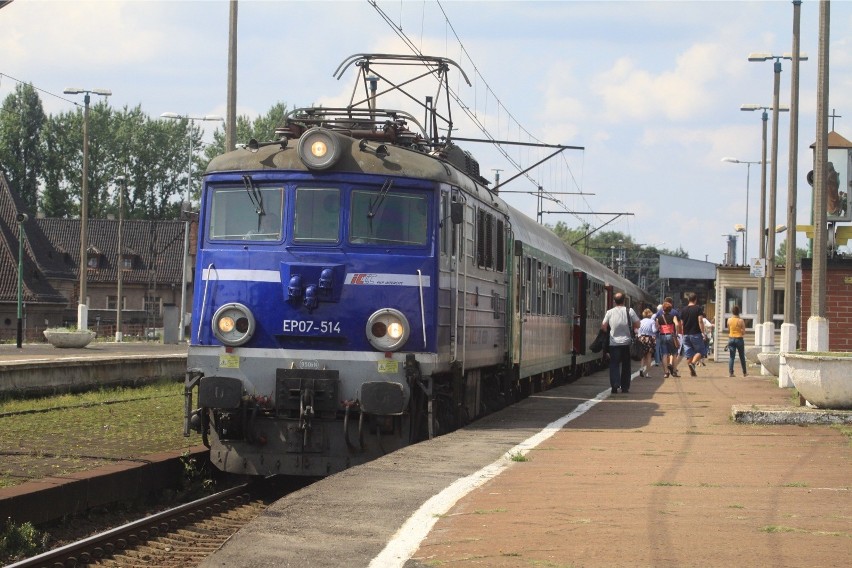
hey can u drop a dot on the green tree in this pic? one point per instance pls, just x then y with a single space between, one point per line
153 155
639 263
22 119
261 129
781 254
62 142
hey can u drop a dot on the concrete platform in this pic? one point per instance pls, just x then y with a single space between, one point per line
763 414
574 476
41 369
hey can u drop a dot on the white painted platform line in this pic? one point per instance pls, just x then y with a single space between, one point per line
407 539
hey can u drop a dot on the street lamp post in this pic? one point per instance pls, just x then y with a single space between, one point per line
762 253
21 218
748 180
82 308
122 186
191 119
789 329
769 294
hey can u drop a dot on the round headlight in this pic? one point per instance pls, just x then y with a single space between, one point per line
226 324
387 329
233 324
319 149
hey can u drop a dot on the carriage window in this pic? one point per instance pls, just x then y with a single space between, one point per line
236 214
501 245
317 215
388 218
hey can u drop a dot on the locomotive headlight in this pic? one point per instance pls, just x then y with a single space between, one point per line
387 329
395 330
319 149
233 324
226 324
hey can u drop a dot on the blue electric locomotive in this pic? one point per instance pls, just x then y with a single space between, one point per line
358 288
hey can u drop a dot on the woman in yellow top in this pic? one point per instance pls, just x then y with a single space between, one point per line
736 332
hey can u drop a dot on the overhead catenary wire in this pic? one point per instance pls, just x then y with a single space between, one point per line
472 114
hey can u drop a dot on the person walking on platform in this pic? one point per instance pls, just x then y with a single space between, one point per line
618 320
692 319
708 338
648 339
668 323
658 356
678 342
736 341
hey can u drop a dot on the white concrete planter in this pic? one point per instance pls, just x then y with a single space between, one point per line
770 361
751 352
67 338
824 379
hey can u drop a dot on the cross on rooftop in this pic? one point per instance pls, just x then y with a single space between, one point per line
832 116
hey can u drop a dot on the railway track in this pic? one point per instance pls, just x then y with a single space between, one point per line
180 536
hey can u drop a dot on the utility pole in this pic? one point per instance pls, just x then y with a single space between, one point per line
231 126
817 322
791 325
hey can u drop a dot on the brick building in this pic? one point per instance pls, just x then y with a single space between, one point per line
150 263
838 308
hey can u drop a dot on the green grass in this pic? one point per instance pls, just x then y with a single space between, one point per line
845 429
518 457
61 434
98 396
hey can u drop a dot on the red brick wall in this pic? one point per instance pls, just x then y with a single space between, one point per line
838 303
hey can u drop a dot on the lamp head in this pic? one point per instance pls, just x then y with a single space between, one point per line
759 56
740 228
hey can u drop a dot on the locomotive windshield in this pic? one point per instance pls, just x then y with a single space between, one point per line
317 215
378 217
236 214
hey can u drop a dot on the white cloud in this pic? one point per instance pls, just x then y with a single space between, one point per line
651 89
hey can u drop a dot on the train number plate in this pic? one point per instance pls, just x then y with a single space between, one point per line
388 366
311 327
227 361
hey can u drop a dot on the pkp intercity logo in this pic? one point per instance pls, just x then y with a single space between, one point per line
377 279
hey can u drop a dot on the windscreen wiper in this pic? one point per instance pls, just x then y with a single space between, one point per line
376 203
254 195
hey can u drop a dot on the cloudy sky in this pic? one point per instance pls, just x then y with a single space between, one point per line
651 90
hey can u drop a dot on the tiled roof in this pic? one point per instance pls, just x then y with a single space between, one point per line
156 247
52 251
39 268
